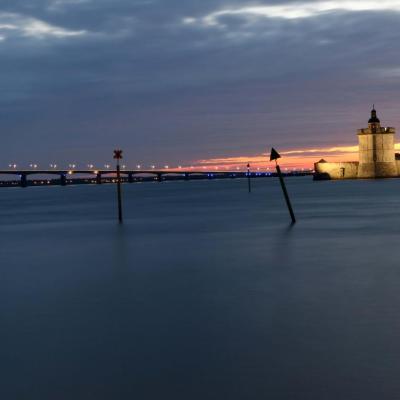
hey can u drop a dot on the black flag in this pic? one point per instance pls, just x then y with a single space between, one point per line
274 155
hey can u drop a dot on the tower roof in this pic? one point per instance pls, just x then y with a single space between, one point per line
374 118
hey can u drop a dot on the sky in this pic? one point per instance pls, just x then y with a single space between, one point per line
194 82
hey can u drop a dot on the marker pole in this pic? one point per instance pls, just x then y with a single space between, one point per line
248 177
118 156
119 193
285 193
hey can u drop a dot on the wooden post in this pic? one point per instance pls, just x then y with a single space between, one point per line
274 156
248 177
118 156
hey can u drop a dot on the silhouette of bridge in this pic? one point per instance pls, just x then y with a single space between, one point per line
98 176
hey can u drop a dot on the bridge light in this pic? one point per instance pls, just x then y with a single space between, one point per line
153 166
124 166
90 166
138 166
166 167
70 172
107 166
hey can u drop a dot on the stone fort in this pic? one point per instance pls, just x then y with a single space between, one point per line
376 156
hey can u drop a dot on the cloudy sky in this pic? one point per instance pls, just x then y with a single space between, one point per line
178 81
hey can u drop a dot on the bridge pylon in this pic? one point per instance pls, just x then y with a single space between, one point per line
63 180
24 180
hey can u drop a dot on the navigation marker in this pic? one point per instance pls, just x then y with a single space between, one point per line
248 177
118 156
274 157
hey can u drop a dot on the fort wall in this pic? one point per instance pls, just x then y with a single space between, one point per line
338 170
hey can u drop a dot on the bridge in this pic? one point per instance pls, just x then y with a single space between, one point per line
105 175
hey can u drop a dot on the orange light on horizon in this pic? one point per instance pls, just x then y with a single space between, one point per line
293 158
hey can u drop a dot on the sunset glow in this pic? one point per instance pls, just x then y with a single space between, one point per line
293 158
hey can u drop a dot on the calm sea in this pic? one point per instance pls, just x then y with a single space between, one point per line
205 292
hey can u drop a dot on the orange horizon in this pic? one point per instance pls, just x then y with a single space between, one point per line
293 158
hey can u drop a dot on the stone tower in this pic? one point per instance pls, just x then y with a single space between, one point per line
376 150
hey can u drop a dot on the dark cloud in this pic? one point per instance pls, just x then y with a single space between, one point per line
80 77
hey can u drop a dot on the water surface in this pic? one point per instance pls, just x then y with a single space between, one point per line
205 292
